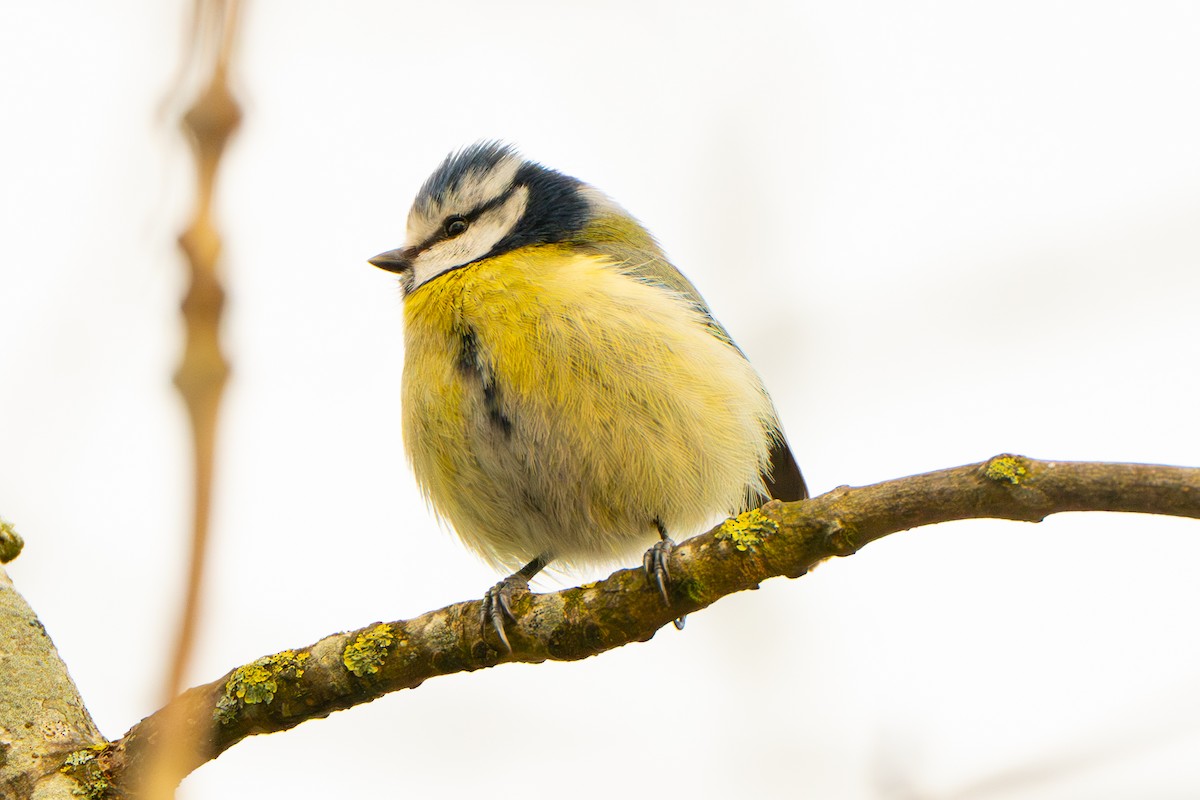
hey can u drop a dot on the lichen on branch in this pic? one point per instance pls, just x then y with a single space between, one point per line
779 539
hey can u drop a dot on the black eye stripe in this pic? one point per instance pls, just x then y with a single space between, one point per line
470 217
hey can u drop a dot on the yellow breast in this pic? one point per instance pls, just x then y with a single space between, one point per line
553 405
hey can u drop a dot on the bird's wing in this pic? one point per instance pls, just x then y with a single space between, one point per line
785 481
650 266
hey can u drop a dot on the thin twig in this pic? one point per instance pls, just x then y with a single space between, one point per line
203 371
202 374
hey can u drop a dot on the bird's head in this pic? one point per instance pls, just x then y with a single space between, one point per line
486 200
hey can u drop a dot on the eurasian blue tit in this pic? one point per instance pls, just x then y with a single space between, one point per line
567 394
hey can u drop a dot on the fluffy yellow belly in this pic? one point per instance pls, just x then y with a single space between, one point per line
554 406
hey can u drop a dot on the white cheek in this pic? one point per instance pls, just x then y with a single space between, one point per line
477 242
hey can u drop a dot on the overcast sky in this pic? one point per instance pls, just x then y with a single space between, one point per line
940 230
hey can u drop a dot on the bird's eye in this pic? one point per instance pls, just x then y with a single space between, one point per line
455 226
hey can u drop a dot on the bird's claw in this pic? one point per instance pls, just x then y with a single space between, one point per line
497 605
658 572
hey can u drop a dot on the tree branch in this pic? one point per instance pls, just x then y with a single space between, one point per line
42 718
281 691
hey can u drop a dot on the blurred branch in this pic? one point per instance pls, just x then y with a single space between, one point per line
11 542
279 692
202 374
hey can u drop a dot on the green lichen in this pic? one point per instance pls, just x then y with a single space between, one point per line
257 682
84 767
1006 469
10 542
692 588
841 537
365 656
573 601
747 530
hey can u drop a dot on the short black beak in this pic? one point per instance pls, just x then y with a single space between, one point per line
392 260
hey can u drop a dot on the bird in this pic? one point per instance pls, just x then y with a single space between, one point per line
567 395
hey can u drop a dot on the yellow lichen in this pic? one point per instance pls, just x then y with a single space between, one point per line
1010 469
747 530
10 542
84 767
258 681
365 656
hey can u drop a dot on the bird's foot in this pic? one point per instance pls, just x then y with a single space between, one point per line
497 602
658 573
497 607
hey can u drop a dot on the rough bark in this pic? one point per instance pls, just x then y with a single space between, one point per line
42 717
280 691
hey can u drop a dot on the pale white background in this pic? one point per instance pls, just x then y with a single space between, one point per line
941 230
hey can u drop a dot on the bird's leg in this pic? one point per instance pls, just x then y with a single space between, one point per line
655 564
497 601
